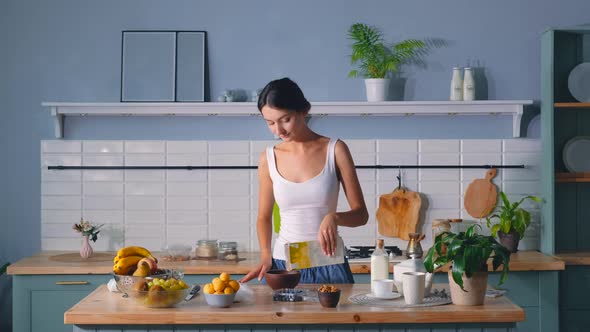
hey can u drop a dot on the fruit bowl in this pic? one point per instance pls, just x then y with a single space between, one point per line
163 298
220 300
127 283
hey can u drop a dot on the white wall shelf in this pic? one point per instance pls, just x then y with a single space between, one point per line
391 108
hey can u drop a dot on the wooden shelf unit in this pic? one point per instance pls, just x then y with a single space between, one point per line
572 105
572 177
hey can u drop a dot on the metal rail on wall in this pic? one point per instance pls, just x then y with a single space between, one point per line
190 168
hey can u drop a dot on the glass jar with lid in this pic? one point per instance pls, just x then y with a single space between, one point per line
206 249
228 250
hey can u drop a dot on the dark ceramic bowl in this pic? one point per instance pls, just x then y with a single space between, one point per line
329 299
278 279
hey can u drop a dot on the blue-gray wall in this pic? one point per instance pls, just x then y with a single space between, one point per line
69 50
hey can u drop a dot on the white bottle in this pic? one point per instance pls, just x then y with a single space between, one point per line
379 264
468 84
457 84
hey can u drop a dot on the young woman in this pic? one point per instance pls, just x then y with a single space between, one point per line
303 174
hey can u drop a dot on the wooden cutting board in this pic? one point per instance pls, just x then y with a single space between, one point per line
481 196
398 213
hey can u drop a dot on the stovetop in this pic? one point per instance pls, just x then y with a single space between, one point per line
363 253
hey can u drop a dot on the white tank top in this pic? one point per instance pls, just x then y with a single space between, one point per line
303 205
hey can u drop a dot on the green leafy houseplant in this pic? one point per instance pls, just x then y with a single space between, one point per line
3 268
512 217
375 58
468 251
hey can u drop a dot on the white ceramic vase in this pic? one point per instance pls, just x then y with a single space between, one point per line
86 250
377 89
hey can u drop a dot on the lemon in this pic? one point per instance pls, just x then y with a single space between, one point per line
234 285
224 276
228 290
218 285
219 292
208 289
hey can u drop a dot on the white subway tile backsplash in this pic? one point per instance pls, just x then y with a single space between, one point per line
55 175
186 217
155 208
103 202
237 187
185 234
105 216
102 160
144 203
103 188
61 202
186 203
439 145
229 147
361 146
145 188
60 146
481 146
229 203
61 160
186 189
145 217
229 159
69 217
187 160
522 145
103 175
186 176
188 147
61 188
397 146
440 187
102 146
145 175
145 147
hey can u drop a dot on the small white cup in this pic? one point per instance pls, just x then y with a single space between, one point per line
413 284
383 288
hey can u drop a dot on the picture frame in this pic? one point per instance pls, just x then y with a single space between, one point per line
163 66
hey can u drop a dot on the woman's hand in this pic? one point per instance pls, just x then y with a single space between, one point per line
260 270
328 234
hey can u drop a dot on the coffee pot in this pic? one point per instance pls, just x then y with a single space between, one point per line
414 249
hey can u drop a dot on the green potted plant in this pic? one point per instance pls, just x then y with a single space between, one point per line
3 268
468 252
513 221
376 59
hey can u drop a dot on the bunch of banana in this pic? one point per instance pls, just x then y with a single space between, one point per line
127 258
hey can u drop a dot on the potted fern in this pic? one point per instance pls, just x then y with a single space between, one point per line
513 221
468 252
376 59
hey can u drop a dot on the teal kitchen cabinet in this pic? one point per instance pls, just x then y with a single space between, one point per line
566 211
39 301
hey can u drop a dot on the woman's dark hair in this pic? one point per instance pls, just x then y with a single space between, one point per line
283 94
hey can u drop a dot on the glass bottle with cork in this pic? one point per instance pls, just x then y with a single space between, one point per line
379 263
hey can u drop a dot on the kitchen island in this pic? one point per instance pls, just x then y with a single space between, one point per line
103 310
45 285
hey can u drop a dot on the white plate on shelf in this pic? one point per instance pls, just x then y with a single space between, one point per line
576 154
393 295
578 82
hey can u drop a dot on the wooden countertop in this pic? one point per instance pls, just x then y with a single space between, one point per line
104 307
47 263
575 258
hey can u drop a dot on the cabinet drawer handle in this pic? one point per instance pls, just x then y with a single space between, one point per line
71 282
